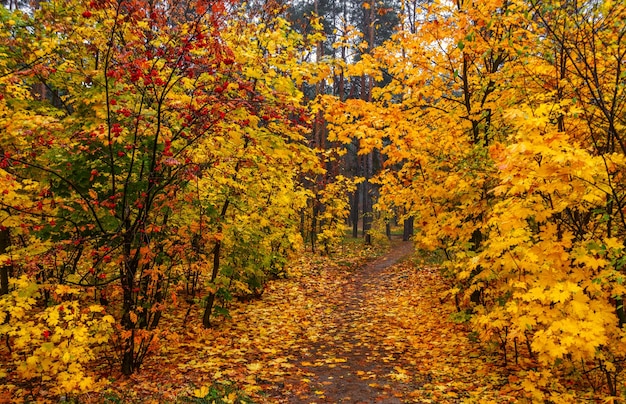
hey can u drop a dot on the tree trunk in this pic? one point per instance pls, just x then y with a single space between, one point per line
408 228
354 212
128 284
5 243
314 225
128 359
210 300
367 199
367 84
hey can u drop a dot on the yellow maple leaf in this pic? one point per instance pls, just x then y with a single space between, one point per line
201 392
613 243
86 383
53 317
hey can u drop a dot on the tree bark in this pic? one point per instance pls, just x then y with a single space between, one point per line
5 243
210 300
408 228
354 212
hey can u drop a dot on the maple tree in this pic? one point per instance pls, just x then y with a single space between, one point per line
151 152
257 198
570 293
501 126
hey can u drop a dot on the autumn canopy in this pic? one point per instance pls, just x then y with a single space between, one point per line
159 159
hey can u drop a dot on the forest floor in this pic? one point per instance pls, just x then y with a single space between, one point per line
386 337
333 332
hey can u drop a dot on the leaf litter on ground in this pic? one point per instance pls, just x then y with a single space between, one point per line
334 330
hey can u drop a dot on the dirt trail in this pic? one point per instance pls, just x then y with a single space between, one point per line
345 362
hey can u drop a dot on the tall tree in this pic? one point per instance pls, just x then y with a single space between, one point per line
500 126
161 137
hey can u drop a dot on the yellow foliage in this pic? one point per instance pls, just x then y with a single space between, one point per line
56 342
498 142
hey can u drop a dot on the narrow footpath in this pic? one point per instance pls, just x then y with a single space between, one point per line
384 336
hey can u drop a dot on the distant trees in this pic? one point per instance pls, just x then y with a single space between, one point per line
351 30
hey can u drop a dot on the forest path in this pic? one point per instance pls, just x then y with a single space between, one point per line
383 336
335 330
